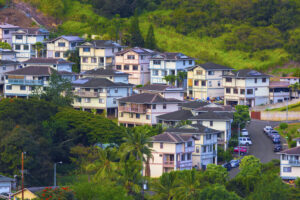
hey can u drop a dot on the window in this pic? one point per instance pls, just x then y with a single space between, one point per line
84 59
189 143
86 49
219 83
164 106
138 116
235 91
119 67
87 100
189 156
26 47
156 62
131 115
147 117
100 100
208 137
184 62
255 80
264 80
61 44
114 101
65 54
199 72
155 72
249 91
18 47
4 68
121 114
78 100
242 91
204 149
116 90
203 83
197 149
161 145
130 57
119 49
126 67
211 73
196 83
227 90
57 54
135 67
190 62
87 89
19 37
8 87
228 80
22 87
209 84
93 60
287 169
73 44
154 106
108 90
211 123
6 32
182 157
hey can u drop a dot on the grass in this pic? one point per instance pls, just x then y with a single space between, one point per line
292 107
290 133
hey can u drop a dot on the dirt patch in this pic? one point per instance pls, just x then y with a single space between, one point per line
15 17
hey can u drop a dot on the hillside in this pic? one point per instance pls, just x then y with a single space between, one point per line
242 34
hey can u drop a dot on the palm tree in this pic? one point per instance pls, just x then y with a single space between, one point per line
295 87
180 77
39 47
165 186
171 79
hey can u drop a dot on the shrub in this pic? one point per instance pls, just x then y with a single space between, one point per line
283 126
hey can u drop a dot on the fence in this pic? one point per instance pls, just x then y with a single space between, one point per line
276 115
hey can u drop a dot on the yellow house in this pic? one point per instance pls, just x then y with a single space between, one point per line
205 81
28 195
98 54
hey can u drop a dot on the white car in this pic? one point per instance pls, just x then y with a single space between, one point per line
244 132
235 163
245 141
268 129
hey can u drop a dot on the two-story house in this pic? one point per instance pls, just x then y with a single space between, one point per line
279 91
61 46
6 32
98 54
163 64
205 81
167 91
24 42
171 152
141 109
135 61
99 94
55 63
246 87
290 162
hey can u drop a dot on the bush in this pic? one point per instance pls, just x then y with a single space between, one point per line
283 126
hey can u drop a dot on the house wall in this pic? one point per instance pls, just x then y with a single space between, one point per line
53 47
4 69
27 195
295 170
6 37
6 56
175 95
160 111
5 187
59 67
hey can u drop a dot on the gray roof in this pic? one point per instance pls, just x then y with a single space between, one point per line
193 104
159 87
101 44
171 138
6 51
52 61
8 62
138 50
291 151
171 56
213 116
69 38
33 70
31 31
98 83
192 129
148 98
104 72
217 108
246 73
176 116
214 66
8 26
5 179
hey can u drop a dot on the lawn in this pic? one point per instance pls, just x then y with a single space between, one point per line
292 107
290 133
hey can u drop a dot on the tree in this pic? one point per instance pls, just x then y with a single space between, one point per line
216 174
39 47
171 79
217 191
164 187
4 45
136 38
181 76
241 115
73 56
295 87
150 42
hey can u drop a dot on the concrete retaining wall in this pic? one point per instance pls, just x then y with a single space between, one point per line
279 116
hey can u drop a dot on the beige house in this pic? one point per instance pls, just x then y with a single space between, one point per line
205 81
98 54
290 162
60 46
246 87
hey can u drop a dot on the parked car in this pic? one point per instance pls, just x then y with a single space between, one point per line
227 166
270 133
244 132
245 141
235 163
277 147
268 129
276 140
243 150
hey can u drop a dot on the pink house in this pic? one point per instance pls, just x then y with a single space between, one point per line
135 61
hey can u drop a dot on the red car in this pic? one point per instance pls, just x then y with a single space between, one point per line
243 150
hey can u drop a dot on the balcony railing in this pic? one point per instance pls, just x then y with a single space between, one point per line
168 162
132 109
86 94
294 162
25 82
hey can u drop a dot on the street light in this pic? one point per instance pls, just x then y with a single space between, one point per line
54 183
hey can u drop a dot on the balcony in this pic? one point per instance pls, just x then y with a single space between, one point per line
25 82
294 162
133 109
86 94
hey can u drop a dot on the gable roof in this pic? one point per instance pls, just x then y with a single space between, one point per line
211 66
246 73
69 38
291 151
5 179
192 129
171 138
215 108
176 116
138 50
97 82
8 26
193 104
171 56
33 70
213 116
51 61
104 72
101 44
148 98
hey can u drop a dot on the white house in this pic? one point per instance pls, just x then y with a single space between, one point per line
6 32
167 91
290 79
6 184
163 64
24 42
55 63
279 91
7 54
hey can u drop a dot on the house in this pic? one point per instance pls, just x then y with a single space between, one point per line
205 81
29 193
167 91
141 109
61 46
6 32
99 94
7 54
163 64
24 42
246 87
290 79
113 75
22 82
55 63
7 66
279 91
135 61
171 152
6 184
290 162
98 54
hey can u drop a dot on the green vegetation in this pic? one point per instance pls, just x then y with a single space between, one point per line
291 107
290 132
241 116
4 45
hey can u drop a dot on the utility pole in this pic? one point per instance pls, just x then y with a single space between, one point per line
239 138
287 110
54 181
22 175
